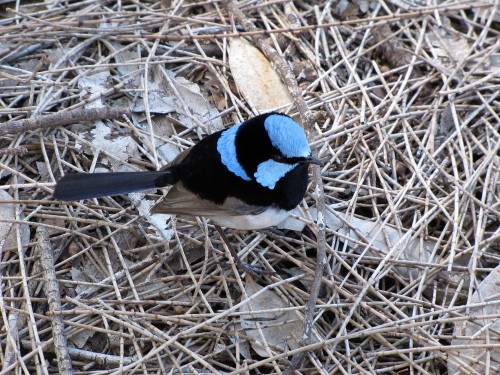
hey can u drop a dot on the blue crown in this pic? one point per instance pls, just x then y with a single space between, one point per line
287 136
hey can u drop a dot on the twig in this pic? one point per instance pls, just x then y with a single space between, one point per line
360 23
54 301
11 348
88 356
14 151
62 118
308 120
392 161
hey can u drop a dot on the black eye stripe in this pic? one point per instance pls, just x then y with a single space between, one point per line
294 160
282 159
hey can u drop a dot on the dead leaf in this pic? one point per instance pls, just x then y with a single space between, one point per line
8 229
94 84
170 94
123 57
383 239
122 147
255 77
481 331
447 49
277 328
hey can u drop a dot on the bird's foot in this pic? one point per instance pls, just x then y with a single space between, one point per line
255 272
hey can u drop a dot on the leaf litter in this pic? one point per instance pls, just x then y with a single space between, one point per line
407 104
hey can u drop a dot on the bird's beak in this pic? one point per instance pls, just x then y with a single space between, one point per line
311 160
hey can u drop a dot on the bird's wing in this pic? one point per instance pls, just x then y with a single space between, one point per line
181 201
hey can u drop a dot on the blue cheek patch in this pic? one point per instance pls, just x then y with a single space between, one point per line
287 136
270 172
227 149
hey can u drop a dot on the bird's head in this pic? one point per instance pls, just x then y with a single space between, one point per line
265 148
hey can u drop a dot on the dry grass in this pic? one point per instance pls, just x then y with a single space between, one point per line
408 109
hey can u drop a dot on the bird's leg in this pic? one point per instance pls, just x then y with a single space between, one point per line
246 267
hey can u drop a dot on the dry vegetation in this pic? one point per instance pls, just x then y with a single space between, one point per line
404 105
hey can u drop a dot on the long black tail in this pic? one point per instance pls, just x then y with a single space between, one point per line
78 186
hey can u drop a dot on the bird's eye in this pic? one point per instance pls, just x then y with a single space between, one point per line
279 158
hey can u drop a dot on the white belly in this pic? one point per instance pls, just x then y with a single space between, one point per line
268 218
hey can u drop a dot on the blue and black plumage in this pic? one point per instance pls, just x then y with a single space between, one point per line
248 176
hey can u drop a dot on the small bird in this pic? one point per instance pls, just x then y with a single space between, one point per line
248 176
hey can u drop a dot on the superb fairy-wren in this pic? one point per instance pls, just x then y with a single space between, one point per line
248 176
